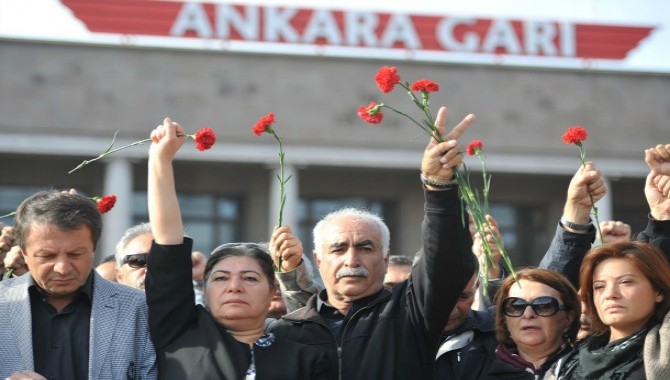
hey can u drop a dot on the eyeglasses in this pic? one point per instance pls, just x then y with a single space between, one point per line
137 260
542 306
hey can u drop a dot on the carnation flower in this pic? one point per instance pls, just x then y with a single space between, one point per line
474 148
264 125
576 135
372 113
204 140
387 78
105 203
425 85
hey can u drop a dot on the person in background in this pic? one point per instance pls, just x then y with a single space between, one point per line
296 278
6 243
199 261
399 269
11 259
614 231
575 232
15 263
131 255
658 160
585 325
107 268
657 231
277 307
496 272
467 346
62 320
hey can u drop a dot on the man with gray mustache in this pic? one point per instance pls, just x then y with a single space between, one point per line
352 272
369 332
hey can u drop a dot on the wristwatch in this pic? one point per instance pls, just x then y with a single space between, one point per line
437 184
576 226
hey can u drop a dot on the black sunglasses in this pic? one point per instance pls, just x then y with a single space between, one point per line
542 306
137 260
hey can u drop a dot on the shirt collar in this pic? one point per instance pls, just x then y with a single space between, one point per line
322 300
86 289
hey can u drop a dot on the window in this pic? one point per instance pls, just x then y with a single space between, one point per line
523 230
210 220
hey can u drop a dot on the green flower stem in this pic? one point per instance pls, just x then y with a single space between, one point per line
7 215
424 104
481 223
429 132
582 158
487 182
282 186
109 151
8 274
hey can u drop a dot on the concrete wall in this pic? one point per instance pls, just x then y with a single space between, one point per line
61 103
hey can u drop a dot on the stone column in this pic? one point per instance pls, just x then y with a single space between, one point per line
290 216
118 181
605 207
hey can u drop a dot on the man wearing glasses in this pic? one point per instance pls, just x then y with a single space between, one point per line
131 260
131 255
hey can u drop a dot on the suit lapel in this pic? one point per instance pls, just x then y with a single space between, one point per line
20 319
104 317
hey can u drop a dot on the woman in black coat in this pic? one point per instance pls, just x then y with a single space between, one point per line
227 338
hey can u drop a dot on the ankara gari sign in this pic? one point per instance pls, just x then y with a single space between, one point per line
435 36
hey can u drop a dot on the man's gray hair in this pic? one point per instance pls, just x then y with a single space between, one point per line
128 236
354 214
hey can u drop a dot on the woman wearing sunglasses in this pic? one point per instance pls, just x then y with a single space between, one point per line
537 319
227 338
626 289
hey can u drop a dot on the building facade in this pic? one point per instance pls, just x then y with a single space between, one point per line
62 101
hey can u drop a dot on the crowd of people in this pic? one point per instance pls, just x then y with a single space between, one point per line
252 310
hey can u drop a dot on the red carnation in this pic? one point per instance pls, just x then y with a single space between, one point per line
372 113
264 124
106 203
425 85
575 135
204 138
387 78
474 147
